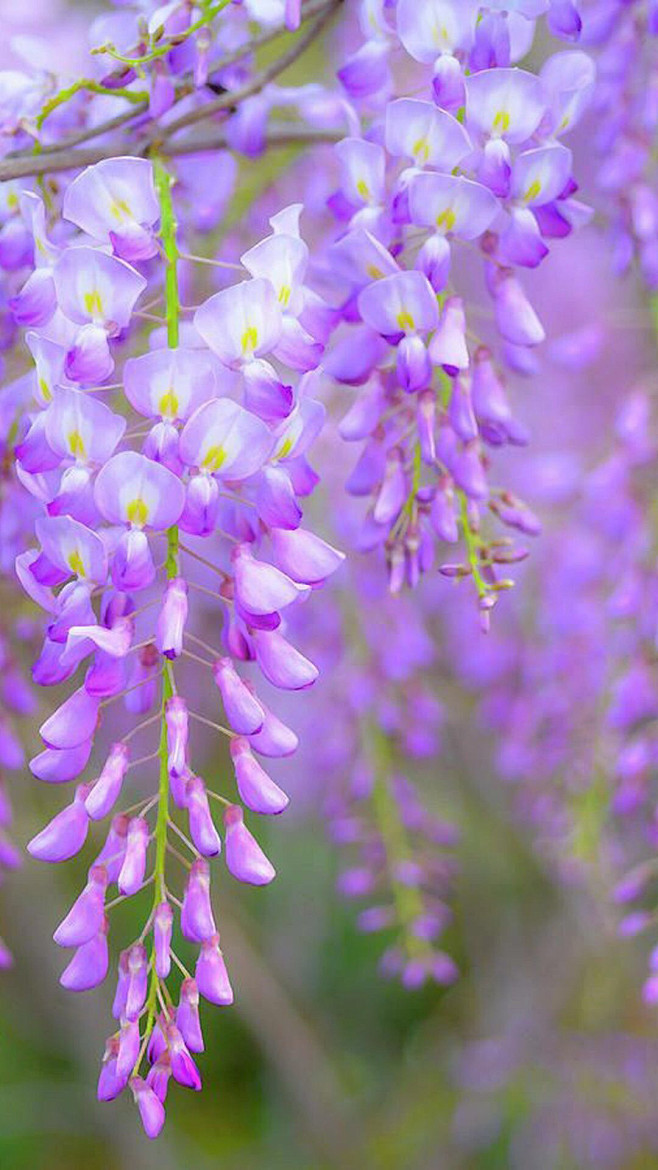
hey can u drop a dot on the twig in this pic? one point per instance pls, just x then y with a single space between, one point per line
21 166
59 154
229 100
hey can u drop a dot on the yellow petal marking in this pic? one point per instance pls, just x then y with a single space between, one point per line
215 457
76 444
168 405
93 303
120 209
446 219
421 150
137 512
405 320
249 339
76 564
502 121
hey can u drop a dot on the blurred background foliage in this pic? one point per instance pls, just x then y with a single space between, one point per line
322 1063
540 1057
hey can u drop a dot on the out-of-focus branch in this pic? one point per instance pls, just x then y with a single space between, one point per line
295 1050
229 101
290 134
60 156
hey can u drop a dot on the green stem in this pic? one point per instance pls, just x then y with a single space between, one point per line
471 543
415 480
90 86
163 182
169 43
408 902
407 514
168 225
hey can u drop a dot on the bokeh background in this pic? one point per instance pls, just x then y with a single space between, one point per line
541 1056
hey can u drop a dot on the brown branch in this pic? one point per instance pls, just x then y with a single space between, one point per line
183 89
228 101
283 135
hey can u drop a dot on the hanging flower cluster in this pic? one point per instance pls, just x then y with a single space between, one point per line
194 441
473 161
622 38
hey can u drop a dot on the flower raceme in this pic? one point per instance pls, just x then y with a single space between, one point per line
192 444
474 159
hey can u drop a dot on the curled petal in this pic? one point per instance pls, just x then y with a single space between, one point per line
281 663
64 836
244 857
88 967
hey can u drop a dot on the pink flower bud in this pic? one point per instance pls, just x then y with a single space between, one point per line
56 766
172 619
88 967
121 993
143 680
132 562
183 1068
281 663
515 317
256 788
73 722
65 835
201 505
304 556
197 922
202 830
178 787
243 710
114 849
274 739
244 857
393 489
128 1049
187 1016
137 981
157 1044
105 791
211 975
413 365
261 588
162 927
426 422
448 346
158 1076
460 411
85 917
110 1085
131 875
177 734
151 1109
